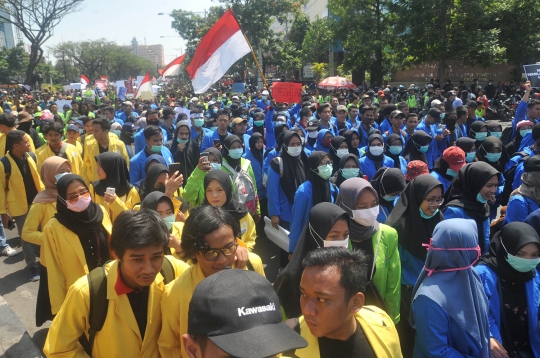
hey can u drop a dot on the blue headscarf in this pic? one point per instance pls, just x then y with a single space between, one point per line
534 220
319 145
470 310
527 141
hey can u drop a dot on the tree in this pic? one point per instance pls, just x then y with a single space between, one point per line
36 19
317 41
88 56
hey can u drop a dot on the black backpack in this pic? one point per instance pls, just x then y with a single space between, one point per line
509 175
506 136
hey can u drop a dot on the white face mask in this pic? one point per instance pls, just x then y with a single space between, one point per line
376 151
366 217
294 151
313 134
342 243
341 152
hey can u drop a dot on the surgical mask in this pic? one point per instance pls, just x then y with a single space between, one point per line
325 171
451 172
390 198
470 157
493 157
349 173
480 136
427 217
81 204
313 134
213 129
341 152
376 151
524 132
215 166
198 122
182 141
264 98
156 148
58 176
294 151
169 220
480 199
117 132
423 148
258 123
496 134
519 263
395 149
366 217
430 247
236 153
343 243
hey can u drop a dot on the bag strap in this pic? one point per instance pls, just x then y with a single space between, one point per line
376 252
226 165
97 284
280 162
167 270
246 165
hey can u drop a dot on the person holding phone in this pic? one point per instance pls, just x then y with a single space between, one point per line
160 179
184 149
193 193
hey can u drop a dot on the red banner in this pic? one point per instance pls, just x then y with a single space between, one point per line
289 92
102 84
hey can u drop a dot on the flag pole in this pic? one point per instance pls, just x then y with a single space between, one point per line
252 52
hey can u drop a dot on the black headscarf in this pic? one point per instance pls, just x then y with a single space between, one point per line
115 167
488 145
494 127
320 187
153 199
236 209
377 160
417 140
338 177
349 136
189 157
127 132
278 133
465 143
334 146
387 181
476 127
321 219
392 137
216 153
441 166
412 229
227 142
294 168
150 180
257 153
465 187
87 225
514 236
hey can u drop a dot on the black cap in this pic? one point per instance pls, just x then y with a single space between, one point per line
532 164
239 311
435 113
313 125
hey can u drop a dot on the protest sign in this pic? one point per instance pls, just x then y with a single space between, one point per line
122 93
533 74
287 92
101 84
61 103
238 87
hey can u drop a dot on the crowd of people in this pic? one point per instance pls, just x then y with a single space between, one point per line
413 222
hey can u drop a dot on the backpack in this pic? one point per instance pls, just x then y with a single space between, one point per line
509 179
245 189
97 285
7 167
506 136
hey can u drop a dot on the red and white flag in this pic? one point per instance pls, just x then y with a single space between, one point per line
106 78
173 68
219 49
84 80
145 90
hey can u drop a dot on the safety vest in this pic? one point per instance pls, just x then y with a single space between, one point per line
411 101
481 112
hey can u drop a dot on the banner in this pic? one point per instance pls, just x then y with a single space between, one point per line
238 87
101 84
287 92
128 84
533 74
122 93
61 103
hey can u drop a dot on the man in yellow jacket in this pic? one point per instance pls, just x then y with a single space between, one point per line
134 289
334 320
21 183
103 141
7 124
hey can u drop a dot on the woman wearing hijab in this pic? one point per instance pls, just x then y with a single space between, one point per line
446 327
511 282
393 150
338 148
522 129
255 156
324 139
375 158
327 225
358 198
193 192
526 198
113 173
417 147
478 132
158 179
42 210
316 189
495 129
493 152
388 183
76 239
274 152
414 218
349 167
468 196
468 146
353 138
219 192
184 151
446 167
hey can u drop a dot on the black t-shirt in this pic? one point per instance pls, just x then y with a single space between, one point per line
102 150
29 185
139 304
355 347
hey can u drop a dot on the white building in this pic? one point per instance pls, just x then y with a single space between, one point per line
316 8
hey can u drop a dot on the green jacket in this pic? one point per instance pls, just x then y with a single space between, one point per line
194 188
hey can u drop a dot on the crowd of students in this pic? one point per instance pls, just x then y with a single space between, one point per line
396 245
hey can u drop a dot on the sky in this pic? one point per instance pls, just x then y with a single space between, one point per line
121 20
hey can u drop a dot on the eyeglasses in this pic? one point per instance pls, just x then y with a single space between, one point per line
73 198
213 254
435 202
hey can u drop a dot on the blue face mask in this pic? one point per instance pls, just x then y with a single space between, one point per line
156 148
215 110
215 166
480 136
493 157
480 199
496 134
58 176
325 171
395 149
169 220
470 157
389 198
236 153
198 122
258 123
427 216
182 140
524 132
424 148
213 129
350 172
117 132
451 172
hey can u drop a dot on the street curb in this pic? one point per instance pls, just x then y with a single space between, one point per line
15 342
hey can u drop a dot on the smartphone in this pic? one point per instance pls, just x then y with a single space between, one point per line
217 143
11 225
111 191
204 155
174 167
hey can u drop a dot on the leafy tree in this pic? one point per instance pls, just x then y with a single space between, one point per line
317 41
299 29
320 70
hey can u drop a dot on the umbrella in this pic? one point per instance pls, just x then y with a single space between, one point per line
336 82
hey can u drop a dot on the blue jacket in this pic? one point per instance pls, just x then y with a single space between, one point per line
266 161
384 213
140 141
137 163
122 115
438 335
303 203
257 171
278 204
489 279
452 212
319 144
402 164
519 207
385 125
444 181
194 133
401 133
332 127
521 115
262 104
364 136
433 152
208 141
411 267
368 167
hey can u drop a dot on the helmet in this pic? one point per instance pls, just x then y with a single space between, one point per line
401 87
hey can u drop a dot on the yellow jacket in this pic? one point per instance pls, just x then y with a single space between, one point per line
247 231
65 259
92 149
14 201
77 145
177 229
378 329
118 206
38 216
175 307
120 335
3 144
72 154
